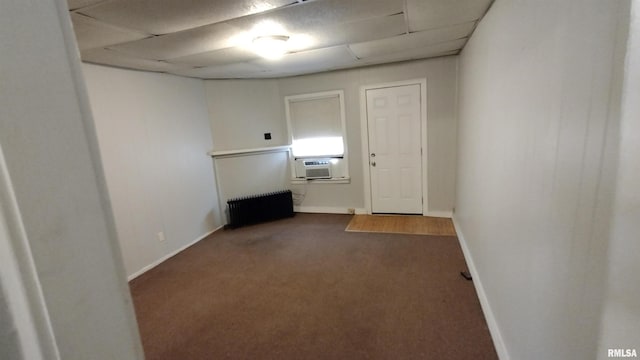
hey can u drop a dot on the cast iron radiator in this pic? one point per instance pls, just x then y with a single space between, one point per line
259 208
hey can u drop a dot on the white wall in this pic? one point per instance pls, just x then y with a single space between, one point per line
49 144
154 135
537 89
263 173
233 117
242 111
621 315
441 126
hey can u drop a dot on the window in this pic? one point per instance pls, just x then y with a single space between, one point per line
316 124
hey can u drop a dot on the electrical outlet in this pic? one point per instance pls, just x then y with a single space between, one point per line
267 136
161 237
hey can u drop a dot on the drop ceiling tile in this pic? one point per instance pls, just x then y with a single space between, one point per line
445 48
413 56
170 46
229 71
326 12
167 16
317 17
216 57
311 60
411 41
432 14
114 58
91 33
76 4
357 31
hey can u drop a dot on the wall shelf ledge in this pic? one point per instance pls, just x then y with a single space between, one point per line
245 152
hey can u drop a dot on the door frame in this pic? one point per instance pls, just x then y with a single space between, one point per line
364 134
19 279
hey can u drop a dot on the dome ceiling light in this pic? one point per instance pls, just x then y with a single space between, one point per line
271 47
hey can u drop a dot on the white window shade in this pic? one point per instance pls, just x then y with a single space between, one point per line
317 125
316 118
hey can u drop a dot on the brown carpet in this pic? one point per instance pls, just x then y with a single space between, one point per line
402 224
303 288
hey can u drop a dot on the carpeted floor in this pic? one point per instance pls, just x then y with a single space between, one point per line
303 288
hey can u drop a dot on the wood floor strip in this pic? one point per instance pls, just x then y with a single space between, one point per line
401 224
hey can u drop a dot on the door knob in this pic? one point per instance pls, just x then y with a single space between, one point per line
373 154
373 163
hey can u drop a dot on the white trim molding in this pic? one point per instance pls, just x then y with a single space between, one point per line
496 335
328 210
440 214
364 134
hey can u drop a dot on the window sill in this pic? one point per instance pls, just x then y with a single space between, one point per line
344 180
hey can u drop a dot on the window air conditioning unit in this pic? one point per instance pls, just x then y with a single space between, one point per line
317 169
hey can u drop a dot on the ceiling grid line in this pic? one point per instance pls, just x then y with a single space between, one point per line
406 16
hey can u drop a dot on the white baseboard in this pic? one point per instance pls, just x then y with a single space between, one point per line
441 214
327 210
164 258
496 335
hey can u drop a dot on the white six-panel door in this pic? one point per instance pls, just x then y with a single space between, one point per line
395 149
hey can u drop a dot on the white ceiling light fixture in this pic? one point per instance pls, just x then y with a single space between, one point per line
271 47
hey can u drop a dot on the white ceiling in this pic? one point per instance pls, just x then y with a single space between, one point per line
204 38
